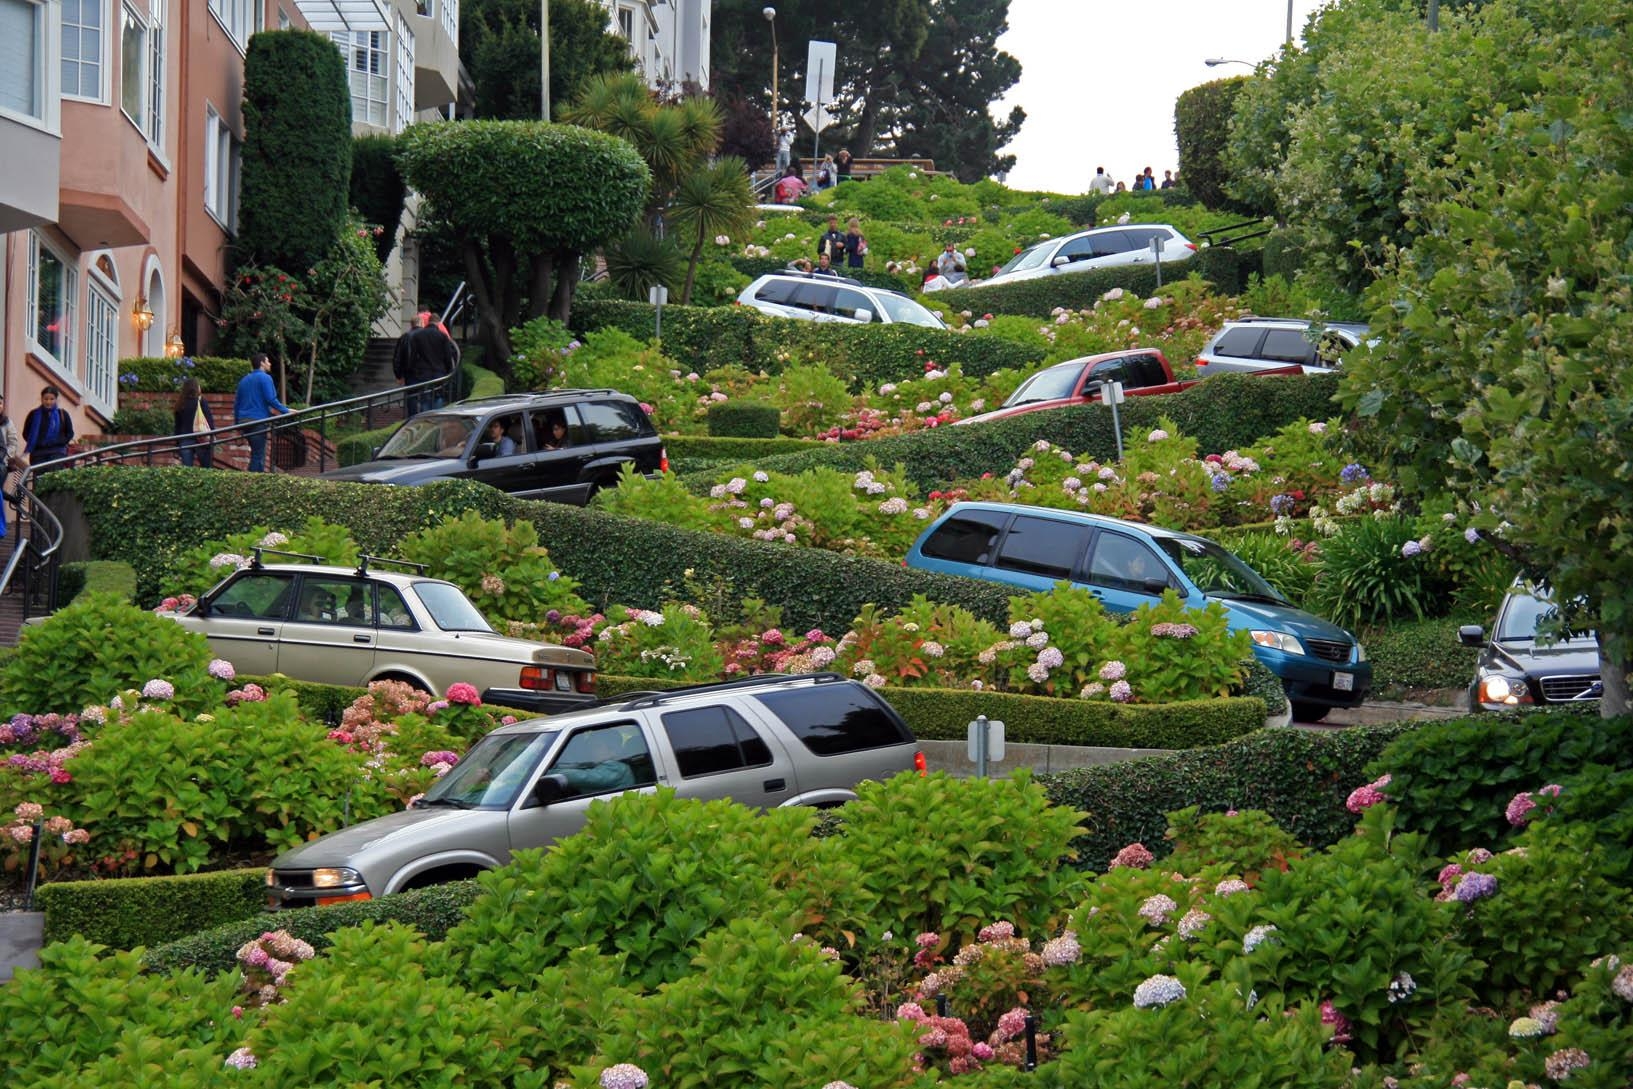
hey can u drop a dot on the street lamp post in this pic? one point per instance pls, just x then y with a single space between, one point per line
1215 62
770 14
544 59
1289 22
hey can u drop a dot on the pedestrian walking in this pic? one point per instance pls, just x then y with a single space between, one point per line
856 246
193 416
255 402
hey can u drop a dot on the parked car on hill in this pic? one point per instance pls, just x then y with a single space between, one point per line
1144 372
765 741
1127 564
1100 247
1258 344
815 296
354 625
1522 666
563 445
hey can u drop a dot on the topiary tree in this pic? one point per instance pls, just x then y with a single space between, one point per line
1202 125
523 201
297 156
377 189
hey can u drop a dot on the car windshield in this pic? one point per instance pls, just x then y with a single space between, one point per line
1526 614
450 609
1215 572
432 435
907 311
1047 385
1031 257
492 774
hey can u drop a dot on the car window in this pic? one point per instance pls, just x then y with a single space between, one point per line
1112 370
815 297
774 291
1049 384
1145 370
967 538
393 609
1029 258
506 433
1330 349
263 594
1077 248
1123 563
604 423
710 740
606 758
1043 546
551 429
1215 571
1524 614
1238 342
436 434
833 719
450 609
1108 243
1139 238
847 302
334 600
905 310
492 773
1287 346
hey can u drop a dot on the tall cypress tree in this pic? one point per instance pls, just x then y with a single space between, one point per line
297 158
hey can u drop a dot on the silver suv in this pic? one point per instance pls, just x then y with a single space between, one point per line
819 296
1257 344
766 741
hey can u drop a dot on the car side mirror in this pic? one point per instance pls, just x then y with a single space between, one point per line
1060 259
1154 587
483 451
374 455
551 788
863 314
1471 635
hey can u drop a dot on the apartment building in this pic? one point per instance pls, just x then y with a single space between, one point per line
120 130
669 38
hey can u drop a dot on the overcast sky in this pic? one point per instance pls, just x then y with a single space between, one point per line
1099 78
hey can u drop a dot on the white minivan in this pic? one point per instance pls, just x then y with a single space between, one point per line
1102 247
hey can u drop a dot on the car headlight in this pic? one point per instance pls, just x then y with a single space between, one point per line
331 878
1360 653
1277 640
1497 688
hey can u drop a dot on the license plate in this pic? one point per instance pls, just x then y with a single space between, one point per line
1343 682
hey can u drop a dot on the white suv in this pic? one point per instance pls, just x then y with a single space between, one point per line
817 296
1102 247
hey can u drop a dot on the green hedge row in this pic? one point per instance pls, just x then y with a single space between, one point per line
744 420
95 577
433 912
1073 290
1300 777
161 374
1221 413
1420 654
685 449
126 912
148 517
707 337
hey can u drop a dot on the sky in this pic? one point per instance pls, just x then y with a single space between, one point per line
1099 78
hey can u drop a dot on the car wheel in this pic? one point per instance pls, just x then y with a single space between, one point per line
445 875
1309 712
413 682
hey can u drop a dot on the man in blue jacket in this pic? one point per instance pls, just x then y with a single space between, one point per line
47 430
257 399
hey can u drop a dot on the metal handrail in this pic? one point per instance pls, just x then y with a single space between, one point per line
34 556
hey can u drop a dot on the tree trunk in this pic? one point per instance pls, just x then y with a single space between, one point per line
1613 668
691 266
490 323
541 274
561 301
867 124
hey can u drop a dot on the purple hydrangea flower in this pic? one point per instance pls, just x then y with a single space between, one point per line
623 1076
1353 473
1475 886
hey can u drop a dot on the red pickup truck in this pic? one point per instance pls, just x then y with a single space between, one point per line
1142 371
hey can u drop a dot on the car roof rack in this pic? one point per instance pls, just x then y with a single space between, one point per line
830 275
759 680
386 561
257 552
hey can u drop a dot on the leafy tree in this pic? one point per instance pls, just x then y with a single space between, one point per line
523 201
377 189
711 200
499 46
297 157
1202 124
1506 327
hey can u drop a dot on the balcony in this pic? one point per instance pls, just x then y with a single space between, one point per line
28 175
110 187
436 50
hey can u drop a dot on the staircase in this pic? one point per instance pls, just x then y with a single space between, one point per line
11 603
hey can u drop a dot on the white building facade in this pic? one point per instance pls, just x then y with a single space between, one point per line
668 38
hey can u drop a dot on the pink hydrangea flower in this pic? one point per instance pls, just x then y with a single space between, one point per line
1135 856
222 670
1011 1024
242 1059
157 689
1340 1024
995 932
1365 797
463 692
623 1076
1519 809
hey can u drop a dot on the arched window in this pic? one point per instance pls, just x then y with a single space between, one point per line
154 339
102 330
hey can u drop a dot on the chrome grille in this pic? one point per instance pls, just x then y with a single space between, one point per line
1328 649
1566 689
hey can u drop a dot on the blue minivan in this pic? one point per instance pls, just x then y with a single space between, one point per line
1126 565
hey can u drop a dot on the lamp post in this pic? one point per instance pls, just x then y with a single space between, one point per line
1289 22
544 59
770 14
1215 62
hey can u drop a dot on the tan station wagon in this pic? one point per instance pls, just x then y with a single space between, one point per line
354 625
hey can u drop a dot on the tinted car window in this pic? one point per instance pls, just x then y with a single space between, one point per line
265 595
834 719
1237 342
1112 370
1145 370
818 297
848 302
604 423
1140 237
966 539
1287 346
710 740
1122 562
1043 546
1077 248
774 291
1111 242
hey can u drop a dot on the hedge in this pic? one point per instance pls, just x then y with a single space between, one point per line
685 449
123 913
744 420
377 189
1202 124
432 911
329 701
707 337
148 517
95 577
1073 290
1420 654
1224 412
1300 777
161 374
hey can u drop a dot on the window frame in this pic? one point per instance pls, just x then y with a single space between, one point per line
228 14
46 62
221 180
102 61
1065 570
131 20
371 44
103 299
742 733
68 288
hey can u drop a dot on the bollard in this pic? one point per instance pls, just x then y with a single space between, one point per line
33 865
941 1005
1031 1042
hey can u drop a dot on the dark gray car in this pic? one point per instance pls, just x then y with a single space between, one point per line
563 445
1521 666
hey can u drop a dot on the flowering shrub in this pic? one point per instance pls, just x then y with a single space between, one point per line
56 835
267 963
502 568
676 643
201 568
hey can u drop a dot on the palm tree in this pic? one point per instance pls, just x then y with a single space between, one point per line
711 199
640 260
673 139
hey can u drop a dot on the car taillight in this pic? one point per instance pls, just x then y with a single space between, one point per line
585 681
1191 246
663 459
1200 362
920 764
536 678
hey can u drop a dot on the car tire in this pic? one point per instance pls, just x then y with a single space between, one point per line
1309 712
406 679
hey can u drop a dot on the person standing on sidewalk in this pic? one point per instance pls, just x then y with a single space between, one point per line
47 430
257 400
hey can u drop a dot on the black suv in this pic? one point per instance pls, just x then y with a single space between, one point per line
1256 344
1519 668
563 445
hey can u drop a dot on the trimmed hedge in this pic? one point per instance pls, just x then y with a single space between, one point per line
1221 413
744 420
148 517
708 337
1300 777
1420 654
124 913
95 577
1073 290
161 374
432 911
694 448
1202 124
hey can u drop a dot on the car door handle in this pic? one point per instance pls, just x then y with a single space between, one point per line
362 638
772 786
266 631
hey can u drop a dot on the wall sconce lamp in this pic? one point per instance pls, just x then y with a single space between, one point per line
173 346
142 314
